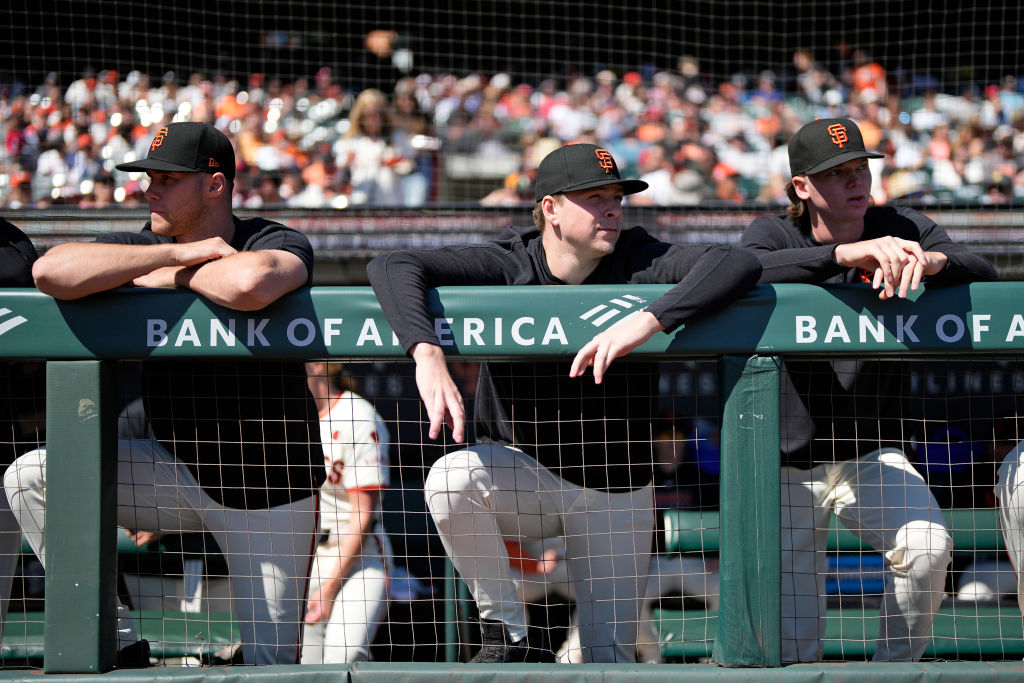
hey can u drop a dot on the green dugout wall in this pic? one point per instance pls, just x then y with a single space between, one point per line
81 339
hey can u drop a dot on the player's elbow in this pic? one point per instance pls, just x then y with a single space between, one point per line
259 285
50 278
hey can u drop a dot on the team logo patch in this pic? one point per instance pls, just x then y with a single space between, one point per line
161 135
837 132
605 160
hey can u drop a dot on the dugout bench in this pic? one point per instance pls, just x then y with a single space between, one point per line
172 634
962 629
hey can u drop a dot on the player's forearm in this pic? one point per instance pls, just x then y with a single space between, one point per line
75 270
718 277
804 264
246 281
350 548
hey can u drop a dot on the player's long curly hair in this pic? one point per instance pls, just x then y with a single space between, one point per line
797 209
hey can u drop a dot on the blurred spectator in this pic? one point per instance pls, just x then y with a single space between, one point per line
20 194
414 141
268 192
657 171
947 144
366 154
518 186
100 195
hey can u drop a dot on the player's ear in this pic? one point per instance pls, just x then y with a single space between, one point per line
217 185
548 205
800 186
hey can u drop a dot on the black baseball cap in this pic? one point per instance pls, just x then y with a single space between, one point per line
826 143
580 167
188 147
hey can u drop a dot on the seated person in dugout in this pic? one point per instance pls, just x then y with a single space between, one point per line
234 449
844 423
557 455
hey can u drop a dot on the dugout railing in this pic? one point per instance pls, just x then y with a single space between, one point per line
82 341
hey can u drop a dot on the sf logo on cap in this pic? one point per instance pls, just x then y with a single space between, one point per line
161 135
838 133
605 160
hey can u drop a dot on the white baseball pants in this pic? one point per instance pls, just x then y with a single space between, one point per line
1009 491
883 500
480 496
268 552
358 609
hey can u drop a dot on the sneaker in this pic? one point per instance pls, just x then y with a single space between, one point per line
498 647
134 656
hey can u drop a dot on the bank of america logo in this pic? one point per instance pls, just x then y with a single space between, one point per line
8 324
617 310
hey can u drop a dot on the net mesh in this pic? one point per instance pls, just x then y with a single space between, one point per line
470 97
698 97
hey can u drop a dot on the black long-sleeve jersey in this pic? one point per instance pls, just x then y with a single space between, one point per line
594 435
835 410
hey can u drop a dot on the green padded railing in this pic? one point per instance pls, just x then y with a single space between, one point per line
749 337
696 530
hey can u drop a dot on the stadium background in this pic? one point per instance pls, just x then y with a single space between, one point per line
923 46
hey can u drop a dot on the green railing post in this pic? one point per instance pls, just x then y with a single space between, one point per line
81 493
451 613
750 555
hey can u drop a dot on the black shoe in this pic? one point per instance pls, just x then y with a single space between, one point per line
134 656
498 647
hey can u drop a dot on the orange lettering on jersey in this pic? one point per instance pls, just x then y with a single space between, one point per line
838 133
373 435
161 135
213 163
605 160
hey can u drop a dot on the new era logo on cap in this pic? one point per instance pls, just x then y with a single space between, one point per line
581 167
826 143
187 147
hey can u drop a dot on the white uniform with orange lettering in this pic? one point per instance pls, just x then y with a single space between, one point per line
355 442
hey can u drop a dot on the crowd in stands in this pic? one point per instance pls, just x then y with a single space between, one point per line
695 139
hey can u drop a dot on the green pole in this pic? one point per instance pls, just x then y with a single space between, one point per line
451 623
750 555
81 492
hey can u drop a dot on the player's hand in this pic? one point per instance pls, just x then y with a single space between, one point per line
141 538
914 272
548 562
439 393
610 344
194 253
320 605
161 277
895 262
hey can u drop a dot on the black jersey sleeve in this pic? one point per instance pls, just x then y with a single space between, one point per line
963 265
786 254
707 278
402 279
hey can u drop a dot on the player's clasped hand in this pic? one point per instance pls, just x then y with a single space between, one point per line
898 264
